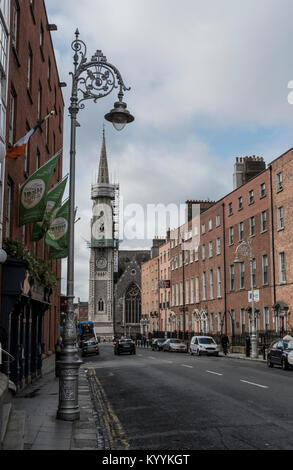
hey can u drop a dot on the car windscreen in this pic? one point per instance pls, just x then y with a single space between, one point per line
288 344
90 343
125 341
175 341
161 340
206 340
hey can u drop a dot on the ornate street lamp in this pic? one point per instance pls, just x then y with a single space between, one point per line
93 79
245 249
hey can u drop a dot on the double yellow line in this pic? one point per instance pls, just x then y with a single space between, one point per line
115 431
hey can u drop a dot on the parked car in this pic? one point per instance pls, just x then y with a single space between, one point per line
157 344
90 347
280 353
124 345
203 345
174 345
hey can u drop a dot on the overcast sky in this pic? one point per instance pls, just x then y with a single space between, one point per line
209 82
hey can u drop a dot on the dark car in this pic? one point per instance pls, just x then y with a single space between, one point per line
157 344
124 345
280 353
90 347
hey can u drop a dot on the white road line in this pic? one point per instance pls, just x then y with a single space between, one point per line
252 383
211 372
184 365
151 357
169 362
140 355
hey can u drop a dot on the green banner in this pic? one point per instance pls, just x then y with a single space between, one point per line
58 254
53 200
56 236
33 193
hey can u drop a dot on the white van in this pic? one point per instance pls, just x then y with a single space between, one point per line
203 345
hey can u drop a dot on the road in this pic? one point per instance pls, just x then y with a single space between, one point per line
174 401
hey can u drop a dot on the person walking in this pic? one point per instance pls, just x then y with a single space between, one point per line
224 343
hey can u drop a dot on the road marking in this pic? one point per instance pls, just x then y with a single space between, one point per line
169 362
184 365
151 357
252 383
140 355
211 372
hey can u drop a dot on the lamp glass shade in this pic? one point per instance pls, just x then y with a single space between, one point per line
3 256
119 121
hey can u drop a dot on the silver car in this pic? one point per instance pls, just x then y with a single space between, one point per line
174 345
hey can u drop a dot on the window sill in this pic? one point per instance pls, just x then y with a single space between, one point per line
281 229
264 195
16 55
240 209
30 96
250 203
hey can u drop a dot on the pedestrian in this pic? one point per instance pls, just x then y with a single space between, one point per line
225 342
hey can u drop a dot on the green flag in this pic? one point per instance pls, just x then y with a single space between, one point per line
57 234
33 193
53 200
58 254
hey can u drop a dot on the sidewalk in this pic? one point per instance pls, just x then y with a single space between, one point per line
42 431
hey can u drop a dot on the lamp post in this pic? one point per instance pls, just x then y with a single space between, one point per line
94 79
245 249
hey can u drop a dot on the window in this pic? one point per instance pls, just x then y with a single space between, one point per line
177 295
280 215
210 224
266 319
15 24
262 190
203 228
232 277
101 305
279 181
242 320
265 270
240 203
49 72
241 231
8 209
251 197
232 319
230 208
231 235
191 256
197 290
252 226
242 275
42 40
218 246
39 102
204 286
38 160
210 249
218 220
187 291
254 272
282 268
196 254
29 68
26 154
219 322
219 282
264 221
181 294
203 252
191 291
180 260
12 116
3 46
211 284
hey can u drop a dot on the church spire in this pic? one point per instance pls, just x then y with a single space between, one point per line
103 166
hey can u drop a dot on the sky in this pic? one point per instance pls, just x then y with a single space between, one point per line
210 81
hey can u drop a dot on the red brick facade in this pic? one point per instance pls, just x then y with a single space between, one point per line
216 289
33 91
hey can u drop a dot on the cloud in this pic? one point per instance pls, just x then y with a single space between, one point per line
196 69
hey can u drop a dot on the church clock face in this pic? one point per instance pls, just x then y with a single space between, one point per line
101 263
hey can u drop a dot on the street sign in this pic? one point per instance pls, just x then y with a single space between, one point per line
256 295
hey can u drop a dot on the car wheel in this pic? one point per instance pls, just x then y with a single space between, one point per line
284 363
198 352
191 353
269 362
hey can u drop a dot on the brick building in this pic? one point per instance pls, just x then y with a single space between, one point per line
150 295
165 321
207 282
29 313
